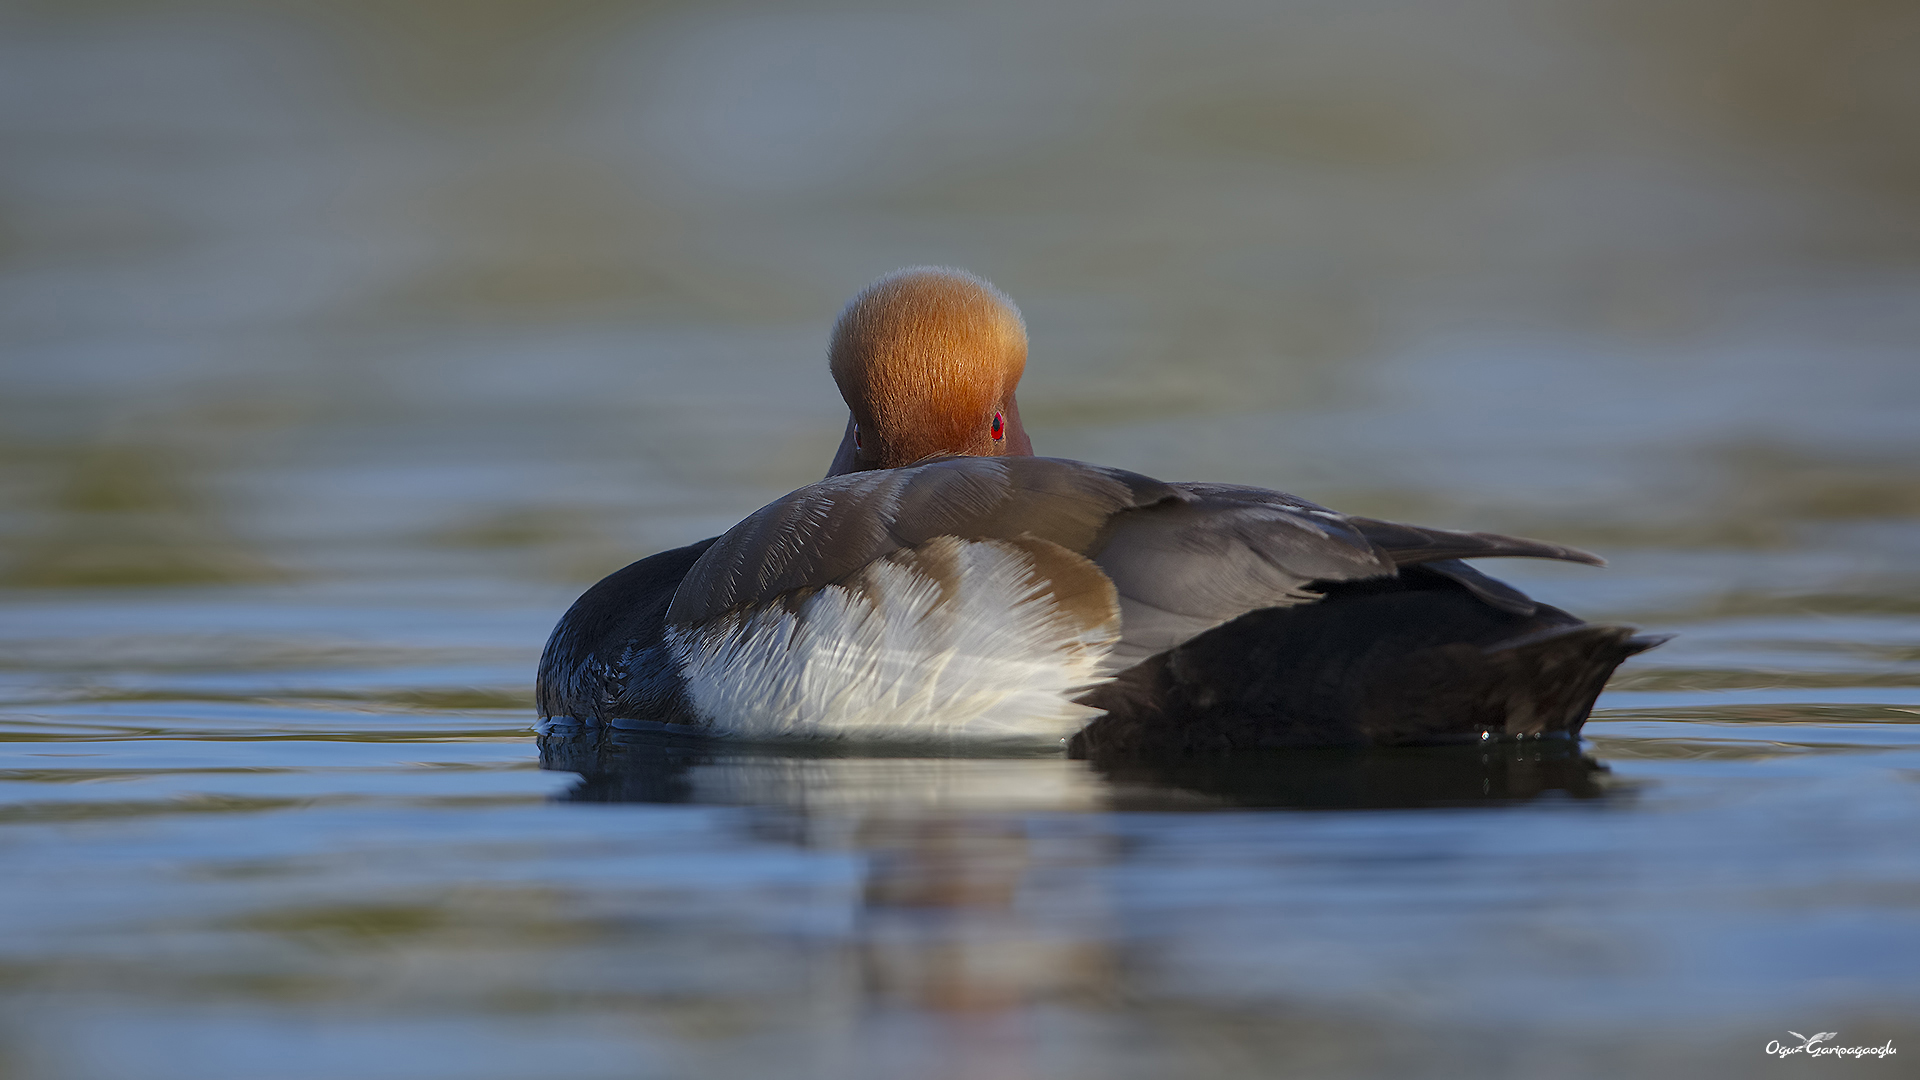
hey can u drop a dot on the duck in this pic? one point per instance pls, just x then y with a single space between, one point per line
943 584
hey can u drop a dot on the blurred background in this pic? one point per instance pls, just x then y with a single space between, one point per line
342 344
303 292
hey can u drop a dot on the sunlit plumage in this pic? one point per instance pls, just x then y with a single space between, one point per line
943 584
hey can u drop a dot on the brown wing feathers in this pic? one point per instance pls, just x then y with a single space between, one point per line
1182 558
826 531
1411 544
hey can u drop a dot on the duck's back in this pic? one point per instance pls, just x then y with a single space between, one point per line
952 600
983 598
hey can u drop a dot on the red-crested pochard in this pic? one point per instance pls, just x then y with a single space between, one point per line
944 584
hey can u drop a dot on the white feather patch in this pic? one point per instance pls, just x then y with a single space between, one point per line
952 640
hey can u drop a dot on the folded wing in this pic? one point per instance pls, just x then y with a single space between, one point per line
1183 558
1183 567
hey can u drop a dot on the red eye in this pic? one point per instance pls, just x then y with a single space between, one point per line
857 445
999 427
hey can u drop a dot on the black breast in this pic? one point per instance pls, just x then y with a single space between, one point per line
607 657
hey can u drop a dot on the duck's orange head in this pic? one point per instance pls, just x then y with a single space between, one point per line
928 359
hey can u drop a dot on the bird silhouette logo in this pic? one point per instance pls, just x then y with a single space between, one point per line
1812 1040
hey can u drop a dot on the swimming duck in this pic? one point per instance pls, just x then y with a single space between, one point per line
942 583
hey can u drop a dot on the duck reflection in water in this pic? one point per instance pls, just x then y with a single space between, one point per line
652 766
985 885
978 900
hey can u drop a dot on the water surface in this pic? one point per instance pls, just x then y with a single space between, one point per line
341 346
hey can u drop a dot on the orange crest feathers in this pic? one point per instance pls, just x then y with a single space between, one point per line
924 357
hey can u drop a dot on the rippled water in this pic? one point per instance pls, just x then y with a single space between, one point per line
342 345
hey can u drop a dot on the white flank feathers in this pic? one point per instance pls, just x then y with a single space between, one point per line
952 640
